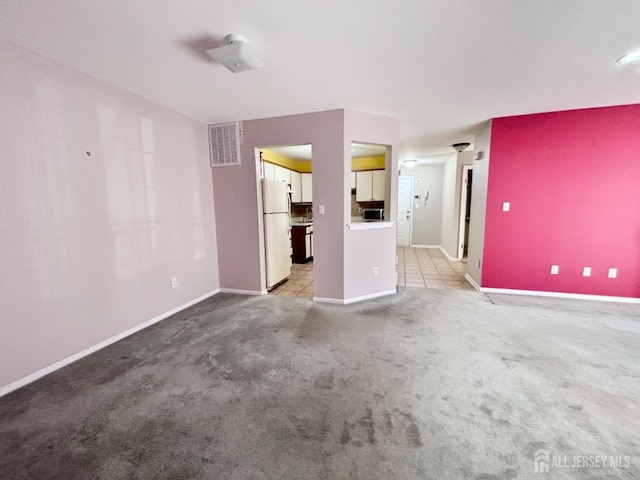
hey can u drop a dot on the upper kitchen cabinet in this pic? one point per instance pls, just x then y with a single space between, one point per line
296 186
378 184
307 188
281 174
268 171
370 186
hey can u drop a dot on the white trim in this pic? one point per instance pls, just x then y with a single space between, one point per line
370 296
472 282
449 257
574 296
424 246
243 292
98 346
369 225
336 301
347 301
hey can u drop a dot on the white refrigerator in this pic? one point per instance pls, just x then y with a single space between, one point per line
277 241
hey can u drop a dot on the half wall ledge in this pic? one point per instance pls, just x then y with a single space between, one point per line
369 225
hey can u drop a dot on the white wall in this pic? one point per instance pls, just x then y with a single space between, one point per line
450 216
90 243
479 204
451 191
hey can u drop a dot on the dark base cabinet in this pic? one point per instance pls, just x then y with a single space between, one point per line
302 243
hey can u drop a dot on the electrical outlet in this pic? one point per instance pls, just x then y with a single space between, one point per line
506 206
321 209
478 263
586 272
174 282
555 269
375 271
613 273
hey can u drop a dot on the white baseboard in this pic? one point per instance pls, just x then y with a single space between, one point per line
243 292
370 296
472 282
336 301
424 246
348 301
88 351
446 254
574 296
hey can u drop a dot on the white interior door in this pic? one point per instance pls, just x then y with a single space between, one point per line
405 195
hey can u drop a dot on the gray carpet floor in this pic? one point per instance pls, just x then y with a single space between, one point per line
426 384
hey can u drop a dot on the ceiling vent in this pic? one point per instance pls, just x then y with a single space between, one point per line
224 144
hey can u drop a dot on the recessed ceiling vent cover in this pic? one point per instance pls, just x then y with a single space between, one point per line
224 144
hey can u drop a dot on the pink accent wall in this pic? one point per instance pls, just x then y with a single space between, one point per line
573 181
89 243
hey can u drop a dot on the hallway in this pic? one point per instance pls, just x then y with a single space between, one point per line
430 268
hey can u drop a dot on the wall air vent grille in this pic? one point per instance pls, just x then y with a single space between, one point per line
224 144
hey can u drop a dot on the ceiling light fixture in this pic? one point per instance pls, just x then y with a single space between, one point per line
632 56
410 163
235 55
461 147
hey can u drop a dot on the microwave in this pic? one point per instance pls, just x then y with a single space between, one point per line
372 214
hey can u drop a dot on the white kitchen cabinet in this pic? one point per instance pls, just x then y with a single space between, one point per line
277 173
307 188
364 186
370 186
378 184
353 180
268 171
296 186
307 244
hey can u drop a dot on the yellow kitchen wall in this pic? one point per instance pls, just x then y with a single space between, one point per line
303 166
367 163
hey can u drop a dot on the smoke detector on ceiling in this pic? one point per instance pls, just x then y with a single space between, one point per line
235 55
461 147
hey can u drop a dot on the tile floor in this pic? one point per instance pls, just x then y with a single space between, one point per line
300 283
429 268
417 267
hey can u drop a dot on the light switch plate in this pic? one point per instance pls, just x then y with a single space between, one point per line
506 206
321 209
555 269
586 272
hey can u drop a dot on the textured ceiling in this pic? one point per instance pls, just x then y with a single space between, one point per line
441 67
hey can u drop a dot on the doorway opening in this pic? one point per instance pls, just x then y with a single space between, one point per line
288 247
465 211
